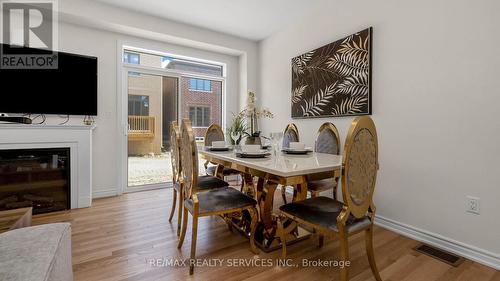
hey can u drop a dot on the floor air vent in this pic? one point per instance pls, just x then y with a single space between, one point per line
441 255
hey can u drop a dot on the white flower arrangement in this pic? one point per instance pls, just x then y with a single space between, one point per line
252 112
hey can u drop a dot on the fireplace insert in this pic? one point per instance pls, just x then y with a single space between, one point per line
38 178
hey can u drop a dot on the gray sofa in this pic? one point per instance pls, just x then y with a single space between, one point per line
37 253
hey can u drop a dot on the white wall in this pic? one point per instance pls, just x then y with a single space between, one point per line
111 18
435 102
90 28
105 152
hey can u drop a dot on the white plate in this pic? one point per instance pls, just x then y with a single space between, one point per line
260 152
218 148
298 150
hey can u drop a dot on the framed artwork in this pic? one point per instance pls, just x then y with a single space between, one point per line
334 80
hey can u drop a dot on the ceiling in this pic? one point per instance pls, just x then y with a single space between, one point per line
250 19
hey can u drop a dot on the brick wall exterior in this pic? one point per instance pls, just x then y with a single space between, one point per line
213 100
151 85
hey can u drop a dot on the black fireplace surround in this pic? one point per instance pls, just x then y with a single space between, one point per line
38 178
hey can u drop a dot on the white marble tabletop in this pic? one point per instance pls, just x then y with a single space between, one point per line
284 165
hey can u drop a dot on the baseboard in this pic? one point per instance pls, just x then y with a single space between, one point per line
467 251
104 193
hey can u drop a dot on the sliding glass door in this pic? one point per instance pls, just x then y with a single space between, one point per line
152 106
159 89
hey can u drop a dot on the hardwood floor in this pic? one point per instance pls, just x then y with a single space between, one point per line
116 237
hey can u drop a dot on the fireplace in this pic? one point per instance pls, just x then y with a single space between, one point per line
38 178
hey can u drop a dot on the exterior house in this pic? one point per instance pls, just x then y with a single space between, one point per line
153 101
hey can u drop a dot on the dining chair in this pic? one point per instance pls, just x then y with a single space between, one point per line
215 133
205 181
327 141
291 134
356 213
220 200
175 141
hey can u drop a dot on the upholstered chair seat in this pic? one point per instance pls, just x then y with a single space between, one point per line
209 182
318 186
221 199
323 211
226 172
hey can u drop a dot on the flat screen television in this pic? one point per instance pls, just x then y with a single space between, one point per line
69 89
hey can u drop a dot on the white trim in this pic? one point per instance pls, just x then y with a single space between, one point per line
468 251
132 189
45 126
104 193
121 122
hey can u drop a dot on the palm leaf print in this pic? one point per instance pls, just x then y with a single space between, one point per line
297 93
300 62
358 50
348 65
334 79
314 106
352 58
354 86
350 106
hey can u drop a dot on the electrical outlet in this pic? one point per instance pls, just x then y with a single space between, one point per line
472 205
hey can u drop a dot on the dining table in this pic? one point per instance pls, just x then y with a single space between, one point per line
262 176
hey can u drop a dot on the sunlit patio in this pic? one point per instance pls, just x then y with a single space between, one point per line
151 169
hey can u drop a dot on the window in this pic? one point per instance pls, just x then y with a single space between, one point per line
199 116
133 73
200 85
132 58
138 105
173 63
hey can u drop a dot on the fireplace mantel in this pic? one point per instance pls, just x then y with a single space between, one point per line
43 126
77 137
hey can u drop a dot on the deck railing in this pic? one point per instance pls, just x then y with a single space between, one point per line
141 126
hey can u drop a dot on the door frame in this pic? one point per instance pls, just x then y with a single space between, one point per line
122 109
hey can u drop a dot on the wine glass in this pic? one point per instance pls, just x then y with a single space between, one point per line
276 139
235 136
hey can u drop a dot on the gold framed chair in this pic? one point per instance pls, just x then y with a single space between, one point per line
327 141
217 201
328 216
175 142
291 134
215 133
205 182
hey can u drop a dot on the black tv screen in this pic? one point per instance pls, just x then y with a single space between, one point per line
68 89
